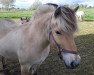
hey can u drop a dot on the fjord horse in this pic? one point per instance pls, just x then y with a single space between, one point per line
30 43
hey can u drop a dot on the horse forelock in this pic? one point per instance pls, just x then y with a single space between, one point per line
67 20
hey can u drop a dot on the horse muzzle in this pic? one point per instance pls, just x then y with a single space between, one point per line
71 60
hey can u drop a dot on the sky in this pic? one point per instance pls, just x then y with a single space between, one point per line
28 3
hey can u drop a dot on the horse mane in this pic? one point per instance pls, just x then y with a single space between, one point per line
66 21
43 9
52 4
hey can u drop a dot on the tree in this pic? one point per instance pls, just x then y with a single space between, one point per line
7 3
36 4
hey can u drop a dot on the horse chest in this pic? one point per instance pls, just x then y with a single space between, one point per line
33 55
41 56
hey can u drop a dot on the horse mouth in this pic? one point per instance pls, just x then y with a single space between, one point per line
71 66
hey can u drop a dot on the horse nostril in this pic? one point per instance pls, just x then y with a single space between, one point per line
74 65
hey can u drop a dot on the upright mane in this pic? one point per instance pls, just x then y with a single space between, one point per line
43 9
52 4
66 19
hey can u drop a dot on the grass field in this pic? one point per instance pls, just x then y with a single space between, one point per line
15 14
89 13
85 43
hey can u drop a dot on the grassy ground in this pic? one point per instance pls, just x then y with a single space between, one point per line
15 14
85 43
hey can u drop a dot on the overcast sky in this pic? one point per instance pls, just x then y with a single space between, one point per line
28 3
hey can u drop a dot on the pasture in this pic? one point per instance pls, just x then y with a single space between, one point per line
54 66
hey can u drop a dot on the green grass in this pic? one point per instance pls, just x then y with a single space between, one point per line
15 14
89 13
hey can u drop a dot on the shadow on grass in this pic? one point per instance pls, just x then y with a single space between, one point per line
54 66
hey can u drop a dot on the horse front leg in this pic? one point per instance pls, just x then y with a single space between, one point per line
25 70
34 68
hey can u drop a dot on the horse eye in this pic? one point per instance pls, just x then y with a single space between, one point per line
57 32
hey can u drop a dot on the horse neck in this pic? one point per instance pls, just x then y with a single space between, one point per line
40 28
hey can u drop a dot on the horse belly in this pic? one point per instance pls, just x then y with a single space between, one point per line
8 47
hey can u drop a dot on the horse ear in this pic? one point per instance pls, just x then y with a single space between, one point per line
21 18
76 8
57 12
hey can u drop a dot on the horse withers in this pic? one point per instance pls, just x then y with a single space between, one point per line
30 43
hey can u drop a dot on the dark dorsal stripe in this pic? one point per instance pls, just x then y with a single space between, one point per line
55 5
